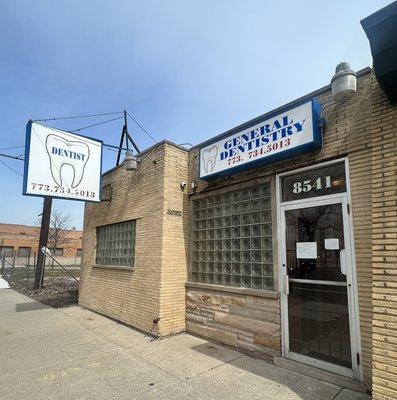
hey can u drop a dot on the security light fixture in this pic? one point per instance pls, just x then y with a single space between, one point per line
338 182
344 82
130 162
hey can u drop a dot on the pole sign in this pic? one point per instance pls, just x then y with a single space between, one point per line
288 133
61 164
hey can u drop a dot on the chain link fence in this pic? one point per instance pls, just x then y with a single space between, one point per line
20 271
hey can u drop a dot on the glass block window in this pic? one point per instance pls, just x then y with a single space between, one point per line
232 239
116 244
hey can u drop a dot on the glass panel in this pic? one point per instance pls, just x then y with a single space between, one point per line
319 322
316 182
314 239
24 252
232 242
7 251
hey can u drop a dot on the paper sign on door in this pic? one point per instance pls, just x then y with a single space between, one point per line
331 244
306 250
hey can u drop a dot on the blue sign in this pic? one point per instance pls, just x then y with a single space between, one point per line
289 132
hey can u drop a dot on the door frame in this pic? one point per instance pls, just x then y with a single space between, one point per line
354 322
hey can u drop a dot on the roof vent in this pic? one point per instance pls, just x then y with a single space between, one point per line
344 82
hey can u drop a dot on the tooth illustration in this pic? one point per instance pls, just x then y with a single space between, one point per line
64 152
209 158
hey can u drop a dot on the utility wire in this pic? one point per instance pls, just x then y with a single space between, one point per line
80 129
140 126
10 156
99 123
77 116
13 147
106 146
12 169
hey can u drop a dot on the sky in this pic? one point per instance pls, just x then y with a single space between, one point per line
186 70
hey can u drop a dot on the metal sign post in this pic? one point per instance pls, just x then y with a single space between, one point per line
44 230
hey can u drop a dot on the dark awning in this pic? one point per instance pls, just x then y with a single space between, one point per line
381 30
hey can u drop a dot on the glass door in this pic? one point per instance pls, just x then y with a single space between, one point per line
316 267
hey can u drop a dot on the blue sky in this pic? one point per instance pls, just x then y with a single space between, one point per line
187 70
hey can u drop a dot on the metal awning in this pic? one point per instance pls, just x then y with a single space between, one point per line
381 30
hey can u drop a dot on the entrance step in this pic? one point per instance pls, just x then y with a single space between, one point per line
321 374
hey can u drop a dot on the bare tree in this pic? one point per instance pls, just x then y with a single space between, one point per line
59 233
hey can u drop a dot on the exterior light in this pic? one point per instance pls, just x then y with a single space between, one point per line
130 162
344 82
337 183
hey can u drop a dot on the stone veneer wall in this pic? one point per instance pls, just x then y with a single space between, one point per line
251 323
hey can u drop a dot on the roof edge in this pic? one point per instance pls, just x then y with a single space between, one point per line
290 104
379 16
158 144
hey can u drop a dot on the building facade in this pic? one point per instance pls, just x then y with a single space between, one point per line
22 241
291 258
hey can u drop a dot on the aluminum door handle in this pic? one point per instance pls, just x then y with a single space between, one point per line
342 256
286 284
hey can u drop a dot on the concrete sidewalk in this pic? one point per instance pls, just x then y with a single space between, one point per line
72 353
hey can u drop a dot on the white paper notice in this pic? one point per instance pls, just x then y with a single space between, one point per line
306 250
331 244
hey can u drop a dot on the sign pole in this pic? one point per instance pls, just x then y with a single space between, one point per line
44 230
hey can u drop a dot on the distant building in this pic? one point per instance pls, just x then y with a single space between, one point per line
23 241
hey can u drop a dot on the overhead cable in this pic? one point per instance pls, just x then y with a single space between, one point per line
12 169
76 116
99 123
13 147
140 126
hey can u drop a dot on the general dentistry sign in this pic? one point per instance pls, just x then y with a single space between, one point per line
289 132
61 164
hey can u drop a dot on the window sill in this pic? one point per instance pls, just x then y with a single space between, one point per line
117 267
230 289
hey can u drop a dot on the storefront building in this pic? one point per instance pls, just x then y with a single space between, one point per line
278 237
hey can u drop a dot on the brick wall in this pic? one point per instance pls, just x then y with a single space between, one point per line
18 236
145 293
175 241
347 133
384 245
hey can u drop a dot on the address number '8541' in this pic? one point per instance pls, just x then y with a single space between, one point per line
308 185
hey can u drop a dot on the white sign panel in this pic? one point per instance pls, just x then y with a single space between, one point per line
331 244
292 131
306 250
61 164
